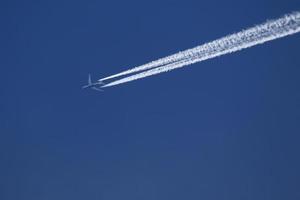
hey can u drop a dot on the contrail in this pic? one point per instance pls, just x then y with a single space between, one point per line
270 30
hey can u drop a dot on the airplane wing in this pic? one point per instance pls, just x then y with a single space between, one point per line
97 89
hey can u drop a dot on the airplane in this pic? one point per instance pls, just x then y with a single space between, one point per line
94 86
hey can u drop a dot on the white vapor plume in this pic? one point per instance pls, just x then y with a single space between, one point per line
270 30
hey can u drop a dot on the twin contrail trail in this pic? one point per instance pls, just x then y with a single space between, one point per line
270 30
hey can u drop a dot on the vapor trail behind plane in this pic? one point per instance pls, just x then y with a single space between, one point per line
270 30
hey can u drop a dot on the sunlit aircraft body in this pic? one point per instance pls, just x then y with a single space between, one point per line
94 86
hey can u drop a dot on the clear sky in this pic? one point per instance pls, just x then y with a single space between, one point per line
227 128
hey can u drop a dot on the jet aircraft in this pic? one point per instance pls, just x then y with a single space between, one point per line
95 86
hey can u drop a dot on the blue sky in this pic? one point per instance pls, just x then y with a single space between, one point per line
227 128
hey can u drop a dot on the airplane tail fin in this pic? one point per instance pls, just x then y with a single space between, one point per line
89 80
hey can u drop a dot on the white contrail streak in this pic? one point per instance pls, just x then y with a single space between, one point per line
271 30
